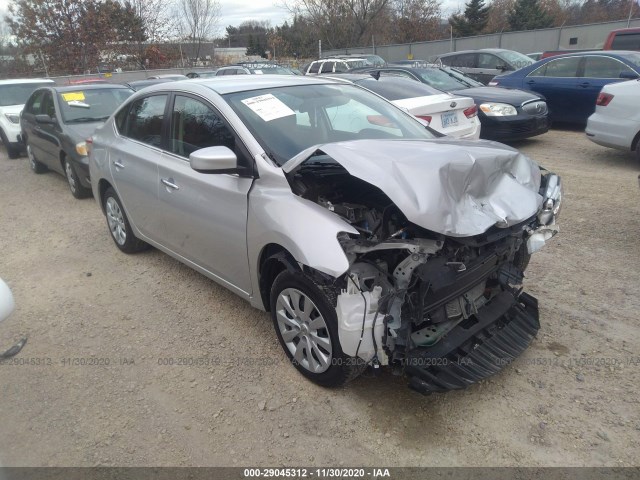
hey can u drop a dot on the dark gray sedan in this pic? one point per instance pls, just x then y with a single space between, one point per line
55 123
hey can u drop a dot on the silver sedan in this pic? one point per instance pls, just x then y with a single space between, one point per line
371 241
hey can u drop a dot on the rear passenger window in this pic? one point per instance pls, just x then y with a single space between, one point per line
465 60
195 125
315 67
603 67
143 120
561 68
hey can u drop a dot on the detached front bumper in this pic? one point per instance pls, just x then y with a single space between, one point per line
473 351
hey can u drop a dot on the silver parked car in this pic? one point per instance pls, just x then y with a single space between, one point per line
370 241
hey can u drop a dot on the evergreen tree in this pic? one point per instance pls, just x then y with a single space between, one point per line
529 15
473 21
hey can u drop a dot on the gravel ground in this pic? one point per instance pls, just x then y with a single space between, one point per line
571 399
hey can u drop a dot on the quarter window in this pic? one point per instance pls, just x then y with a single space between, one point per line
562 67
143 120
604 67
196 125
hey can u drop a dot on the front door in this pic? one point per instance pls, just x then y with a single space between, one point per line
204 214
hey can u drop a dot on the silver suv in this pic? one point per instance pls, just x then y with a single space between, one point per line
369 241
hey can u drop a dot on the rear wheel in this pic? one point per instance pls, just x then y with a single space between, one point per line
638 150
35 165
306 324
119 225
77 189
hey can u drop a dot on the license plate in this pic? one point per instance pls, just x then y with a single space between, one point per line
449 119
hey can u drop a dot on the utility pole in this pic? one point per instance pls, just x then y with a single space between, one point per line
319 48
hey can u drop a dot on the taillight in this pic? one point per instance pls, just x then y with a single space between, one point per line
604 99
426 118
471 112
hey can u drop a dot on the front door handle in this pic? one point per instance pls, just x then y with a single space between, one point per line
118 164
169 182
585 84
530 82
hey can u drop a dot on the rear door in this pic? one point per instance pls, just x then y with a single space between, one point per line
558 81
467 63
134 159
205 215
598 71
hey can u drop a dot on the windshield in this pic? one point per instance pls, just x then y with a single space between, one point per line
446 79
271 71
287 120
516 59
95 105
18 93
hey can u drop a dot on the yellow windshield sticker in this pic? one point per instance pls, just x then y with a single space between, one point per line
73 96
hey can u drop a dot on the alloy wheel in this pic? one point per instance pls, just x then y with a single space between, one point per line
304 330
115 219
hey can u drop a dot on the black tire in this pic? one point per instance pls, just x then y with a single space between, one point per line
73 180
522 257
130 243
638 151
12 151
34 164
342 368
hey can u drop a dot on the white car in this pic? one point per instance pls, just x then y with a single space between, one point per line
447 114
13 95
616 121
6 301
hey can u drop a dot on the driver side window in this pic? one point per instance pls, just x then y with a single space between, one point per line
143 120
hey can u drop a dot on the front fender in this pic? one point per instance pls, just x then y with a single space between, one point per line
306 230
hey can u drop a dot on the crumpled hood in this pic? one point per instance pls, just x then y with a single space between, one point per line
453 187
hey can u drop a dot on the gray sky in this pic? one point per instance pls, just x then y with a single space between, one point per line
236 11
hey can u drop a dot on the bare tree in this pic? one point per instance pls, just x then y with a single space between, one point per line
199 20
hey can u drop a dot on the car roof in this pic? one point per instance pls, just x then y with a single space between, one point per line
242 83
494 50
607 53
16 81
95 86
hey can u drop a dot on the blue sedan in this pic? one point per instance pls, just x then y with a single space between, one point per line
571 82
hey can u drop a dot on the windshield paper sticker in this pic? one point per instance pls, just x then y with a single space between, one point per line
73 96
268 107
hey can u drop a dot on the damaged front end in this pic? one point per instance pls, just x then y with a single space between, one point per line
437 296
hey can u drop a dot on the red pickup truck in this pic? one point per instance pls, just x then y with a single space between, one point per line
623 39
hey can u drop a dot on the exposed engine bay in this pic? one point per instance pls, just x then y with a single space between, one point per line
408 289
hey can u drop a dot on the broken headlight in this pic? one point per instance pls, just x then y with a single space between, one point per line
552 199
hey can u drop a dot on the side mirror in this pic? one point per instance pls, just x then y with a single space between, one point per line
628 75
214 160
45 119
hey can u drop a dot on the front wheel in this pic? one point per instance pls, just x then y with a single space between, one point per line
77 189
12 151
119 225
307 327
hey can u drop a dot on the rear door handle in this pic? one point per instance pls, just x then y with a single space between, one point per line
117 164
169 182
585 84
